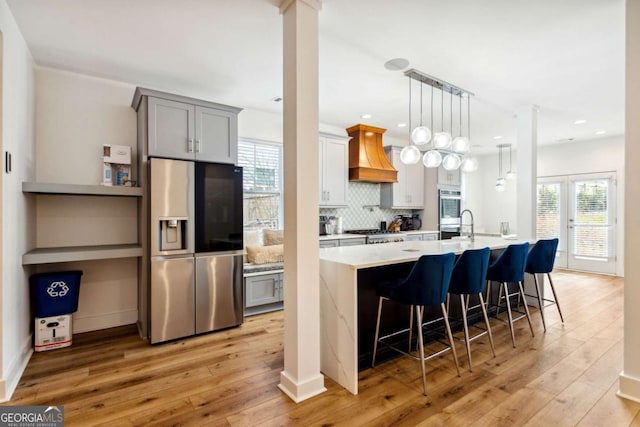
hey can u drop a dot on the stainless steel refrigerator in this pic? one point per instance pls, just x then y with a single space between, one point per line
196 248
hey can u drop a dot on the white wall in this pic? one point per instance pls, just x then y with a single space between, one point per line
75 116
599 155
18 220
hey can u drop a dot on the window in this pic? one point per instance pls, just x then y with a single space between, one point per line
548 216
261 184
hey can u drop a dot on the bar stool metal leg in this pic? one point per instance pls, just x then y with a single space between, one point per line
506 291
486 322
421 350
453 347
375 342
410 326
555 297
540 305
463 306
526 309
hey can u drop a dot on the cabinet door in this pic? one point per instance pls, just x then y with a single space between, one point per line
264 289
399 189
430 236
353 242
413 237
448 177
216 135
414 184
335 170
171 129
329 243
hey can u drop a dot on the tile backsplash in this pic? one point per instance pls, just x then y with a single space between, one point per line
364 207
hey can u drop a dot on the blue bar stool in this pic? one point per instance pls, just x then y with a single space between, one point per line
540 261
509 268
469 278
426 285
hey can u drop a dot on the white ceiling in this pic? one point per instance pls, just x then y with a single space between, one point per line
566 57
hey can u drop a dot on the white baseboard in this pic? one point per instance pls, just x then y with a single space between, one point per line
104 321
629 387
10 381
301 391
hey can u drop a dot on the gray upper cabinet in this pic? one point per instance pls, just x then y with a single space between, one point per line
171 129
178 127
216 135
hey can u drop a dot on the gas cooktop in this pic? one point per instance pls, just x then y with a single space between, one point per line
379 236
371 231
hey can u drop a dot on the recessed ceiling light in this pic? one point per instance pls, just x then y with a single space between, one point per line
580 122
402 125
366 116
396 64
601 132
277 99
497 137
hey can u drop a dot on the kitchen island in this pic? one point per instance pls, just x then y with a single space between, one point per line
348 276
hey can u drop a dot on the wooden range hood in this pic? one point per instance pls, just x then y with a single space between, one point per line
367 160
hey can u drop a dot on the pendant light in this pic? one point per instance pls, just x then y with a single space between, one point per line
461 144
442 139
511 175
469 163
410 155
432 158
501 183
420 135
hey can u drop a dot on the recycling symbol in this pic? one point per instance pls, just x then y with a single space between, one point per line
57 289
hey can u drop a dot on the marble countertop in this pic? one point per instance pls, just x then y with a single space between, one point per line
419 231
359 236
342 236
364 256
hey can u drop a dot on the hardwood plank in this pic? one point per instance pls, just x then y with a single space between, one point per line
568 407
565 376
611 410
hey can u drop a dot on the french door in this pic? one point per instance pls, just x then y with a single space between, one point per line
581 211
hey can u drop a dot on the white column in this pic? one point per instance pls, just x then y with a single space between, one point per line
527 179
301 377
630 376
527 161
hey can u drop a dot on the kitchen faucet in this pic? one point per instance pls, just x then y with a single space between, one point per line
472 235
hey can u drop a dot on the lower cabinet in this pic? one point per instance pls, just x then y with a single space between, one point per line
334 243
421 236
263 293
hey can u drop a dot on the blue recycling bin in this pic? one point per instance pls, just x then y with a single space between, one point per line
55 294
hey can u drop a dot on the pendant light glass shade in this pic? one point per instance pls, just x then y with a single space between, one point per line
410 155
421 135
510 175
451 162
442 140
461 145
501 185
432 159
469 164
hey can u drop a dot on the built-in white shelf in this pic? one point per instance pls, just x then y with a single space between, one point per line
81 253
81 190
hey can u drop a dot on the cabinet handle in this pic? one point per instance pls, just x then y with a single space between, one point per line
328 195
197 145
190 146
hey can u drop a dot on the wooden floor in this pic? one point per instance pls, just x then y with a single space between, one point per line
565 377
